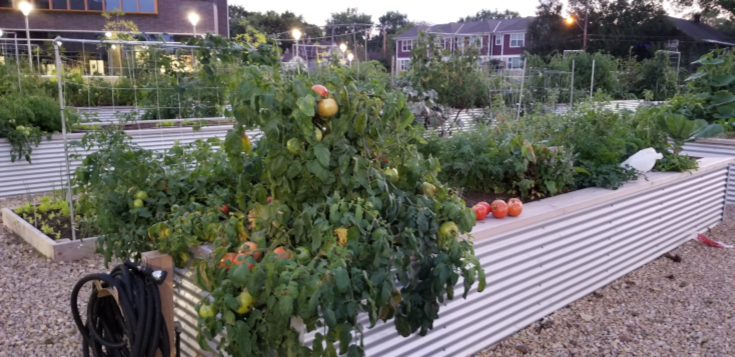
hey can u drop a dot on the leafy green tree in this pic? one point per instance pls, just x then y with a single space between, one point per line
726 7
251 25
456 79
485 14
614 26
547 33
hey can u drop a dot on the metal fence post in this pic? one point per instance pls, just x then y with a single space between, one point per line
571 89
592 79
520 96
63 132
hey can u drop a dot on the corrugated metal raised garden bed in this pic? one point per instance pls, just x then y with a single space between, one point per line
559 250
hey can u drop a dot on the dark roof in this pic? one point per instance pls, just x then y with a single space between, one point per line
476 27
701 31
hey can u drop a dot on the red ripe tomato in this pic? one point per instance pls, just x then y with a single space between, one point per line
281 252
321 90
515 208
480 211
487 205
249 248
224 209
227 260
512 200
500 209
240 259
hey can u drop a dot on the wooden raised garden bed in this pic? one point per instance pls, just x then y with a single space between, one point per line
62 249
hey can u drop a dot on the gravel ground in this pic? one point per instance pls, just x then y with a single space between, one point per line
35 318
664 308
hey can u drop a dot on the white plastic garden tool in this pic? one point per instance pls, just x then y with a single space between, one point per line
644 160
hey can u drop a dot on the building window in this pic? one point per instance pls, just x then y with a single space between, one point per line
517 39
403 65
406 45
474 41
515 63
498 40
129 6
447 43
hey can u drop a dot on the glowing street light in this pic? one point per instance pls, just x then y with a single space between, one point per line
570 20
350 57
108 34
296 33
26 8
194 19
343 47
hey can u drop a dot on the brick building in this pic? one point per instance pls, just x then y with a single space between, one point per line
83 18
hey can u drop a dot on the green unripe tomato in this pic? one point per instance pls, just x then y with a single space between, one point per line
20 128
428 189
293 145
448 230
245 302
391 174
207 311
318 134
303 255
141 195
137 203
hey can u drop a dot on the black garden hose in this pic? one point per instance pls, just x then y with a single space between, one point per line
135 327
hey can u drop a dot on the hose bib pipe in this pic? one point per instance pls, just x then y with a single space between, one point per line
133 325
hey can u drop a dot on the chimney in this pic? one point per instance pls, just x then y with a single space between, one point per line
697 18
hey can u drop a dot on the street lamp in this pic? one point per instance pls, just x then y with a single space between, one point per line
343 47
26 8
194 19
570 20
350 57
296 33
108 34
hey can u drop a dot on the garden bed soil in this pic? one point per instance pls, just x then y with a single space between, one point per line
58 223
159 125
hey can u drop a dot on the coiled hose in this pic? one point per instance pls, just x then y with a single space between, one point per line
135 327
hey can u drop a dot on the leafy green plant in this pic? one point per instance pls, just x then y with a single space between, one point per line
46 229
714 84
679 163
455 78
680 129
484 159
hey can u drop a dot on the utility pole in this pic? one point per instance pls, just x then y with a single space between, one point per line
384 36
586 15
354 39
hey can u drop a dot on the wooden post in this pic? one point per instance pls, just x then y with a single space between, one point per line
158 261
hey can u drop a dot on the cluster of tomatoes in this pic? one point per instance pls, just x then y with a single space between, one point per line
499 208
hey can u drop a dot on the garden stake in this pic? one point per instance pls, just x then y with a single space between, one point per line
63 133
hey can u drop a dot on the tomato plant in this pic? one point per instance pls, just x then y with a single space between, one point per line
343 234
339 232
